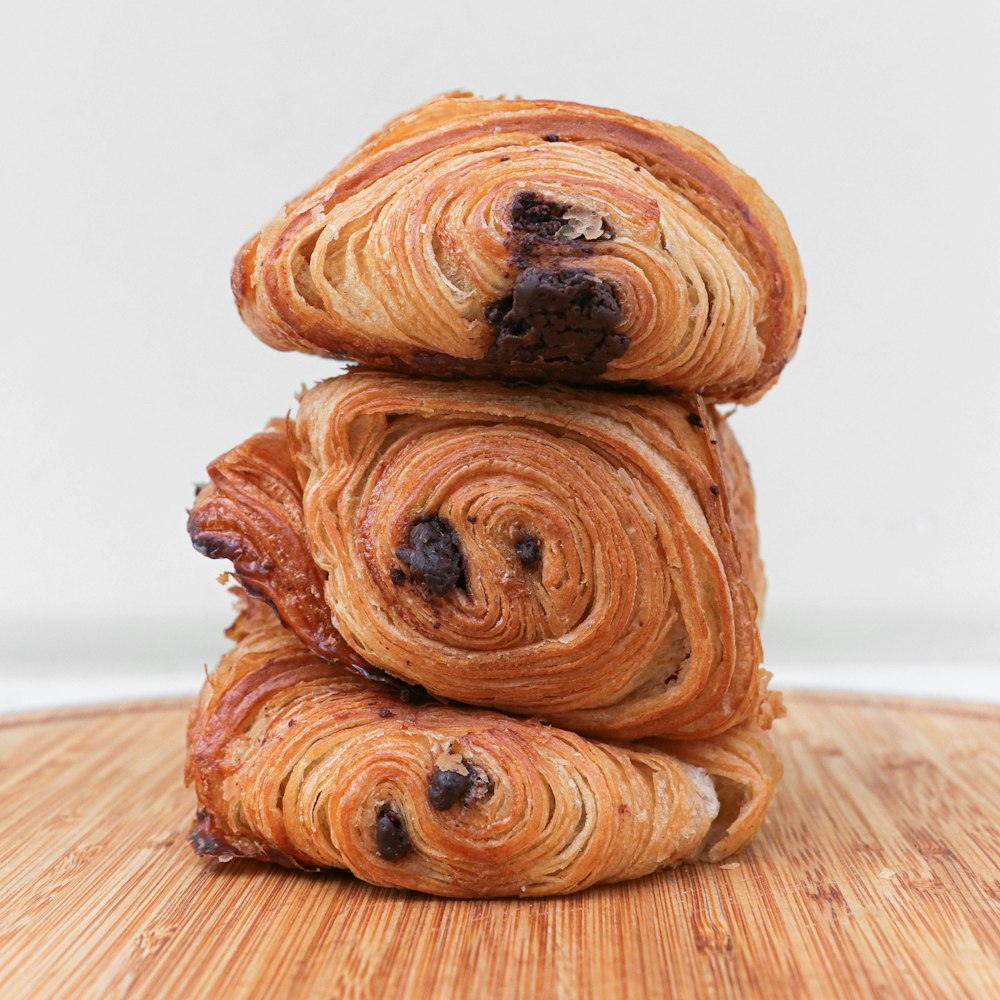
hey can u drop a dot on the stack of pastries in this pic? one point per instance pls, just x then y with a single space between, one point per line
500 582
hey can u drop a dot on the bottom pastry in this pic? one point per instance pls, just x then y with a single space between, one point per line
303 762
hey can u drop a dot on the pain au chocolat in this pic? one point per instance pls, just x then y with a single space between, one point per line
533 239
297 759
585 557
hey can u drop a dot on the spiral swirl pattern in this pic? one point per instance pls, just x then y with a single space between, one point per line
412 254
630 618
299 760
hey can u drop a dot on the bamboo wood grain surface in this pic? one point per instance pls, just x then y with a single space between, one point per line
877 874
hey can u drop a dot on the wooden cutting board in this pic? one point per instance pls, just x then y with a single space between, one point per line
876 874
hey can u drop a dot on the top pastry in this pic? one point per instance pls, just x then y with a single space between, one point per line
533 240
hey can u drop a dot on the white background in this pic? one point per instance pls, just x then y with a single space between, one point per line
142 143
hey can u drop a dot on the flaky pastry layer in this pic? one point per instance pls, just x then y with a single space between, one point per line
586 557
533 239
299 760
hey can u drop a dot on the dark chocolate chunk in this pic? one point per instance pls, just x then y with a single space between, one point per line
534 213
562 319
397 576
385 713
391 840
409 694
694 420
207 840
217 546
481 787
434 556
715 490
528 552
412 694
551 137
447 787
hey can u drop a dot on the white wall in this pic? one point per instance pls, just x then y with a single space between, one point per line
142 143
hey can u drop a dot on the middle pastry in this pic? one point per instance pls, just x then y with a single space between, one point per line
583 556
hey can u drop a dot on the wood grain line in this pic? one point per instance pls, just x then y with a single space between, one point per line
877 875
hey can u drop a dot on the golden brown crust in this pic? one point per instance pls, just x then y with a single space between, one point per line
634 616
298 760
397 255
742 509
745 770
251 513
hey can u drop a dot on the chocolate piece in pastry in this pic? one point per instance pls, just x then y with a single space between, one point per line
585 557
533 239
250 512
299 760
